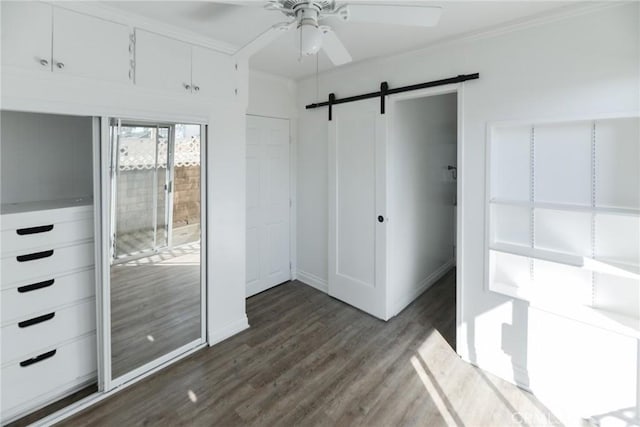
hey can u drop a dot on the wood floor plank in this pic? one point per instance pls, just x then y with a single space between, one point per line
311 360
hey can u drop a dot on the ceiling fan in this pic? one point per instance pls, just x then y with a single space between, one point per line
308 19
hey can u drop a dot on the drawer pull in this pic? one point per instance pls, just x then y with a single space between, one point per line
34 256
36 286
39 358
36 320
34 230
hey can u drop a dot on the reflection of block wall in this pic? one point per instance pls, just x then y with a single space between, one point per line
135 200
186 196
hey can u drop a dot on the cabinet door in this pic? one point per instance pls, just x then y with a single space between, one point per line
213 73
162 63
26 34
90 47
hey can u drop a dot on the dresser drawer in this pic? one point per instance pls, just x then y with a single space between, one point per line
54 372
46 234
39 296
30 266
33 335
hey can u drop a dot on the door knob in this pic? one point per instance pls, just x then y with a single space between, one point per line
187 86
380 218
44 62
196 88
60 65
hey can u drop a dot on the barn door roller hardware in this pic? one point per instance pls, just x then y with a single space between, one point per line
385 90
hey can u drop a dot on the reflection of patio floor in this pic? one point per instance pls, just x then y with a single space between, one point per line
141 241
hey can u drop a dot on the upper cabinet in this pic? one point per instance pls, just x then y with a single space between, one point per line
171 65
26 34
64 41
90 47
162 63
38 36
212 73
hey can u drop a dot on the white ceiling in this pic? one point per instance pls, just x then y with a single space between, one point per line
237 25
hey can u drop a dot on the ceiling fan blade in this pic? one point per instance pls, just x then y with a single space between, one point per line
333 47
265 38
410 13
251 3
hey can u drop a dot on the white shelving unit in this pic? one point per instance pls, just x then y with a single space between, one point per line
563 218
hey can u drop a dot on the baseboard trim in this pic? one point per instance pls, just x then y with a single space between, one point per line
227 331
425 284
313 281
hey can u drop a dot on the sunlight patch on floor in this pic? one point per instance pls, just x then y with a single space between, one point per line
433 393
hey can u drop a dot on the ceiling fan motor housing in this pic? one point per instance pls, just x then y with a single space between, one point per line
320 5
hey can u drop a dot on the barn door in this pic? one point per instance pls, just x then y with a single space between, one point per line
357 206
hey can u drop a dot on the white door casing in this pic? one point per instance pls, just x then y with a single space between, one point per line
357 198
268 207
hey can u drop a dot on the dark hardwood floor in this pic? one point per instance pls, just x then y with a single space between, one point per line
309 360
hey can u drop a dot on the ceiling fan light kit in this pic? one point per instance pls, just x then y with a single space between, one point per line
308 17
310 34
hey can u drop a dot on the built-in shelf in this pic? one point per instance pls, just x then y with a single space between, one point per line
614 267
567 207
13 208
604 319
584 212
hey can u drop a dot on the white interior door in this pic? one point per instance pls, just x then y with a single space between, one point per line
268 257
357 206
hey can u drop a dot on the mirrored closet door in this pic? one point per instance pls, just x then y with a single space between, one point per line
155 269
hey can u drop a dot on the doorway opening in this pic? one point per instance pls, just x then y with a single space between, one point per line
423 173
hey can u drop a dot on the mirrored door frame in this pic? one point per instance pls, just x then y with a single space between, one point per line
105 170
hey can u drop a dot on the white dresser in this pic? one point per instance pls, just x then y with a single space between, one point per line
48 303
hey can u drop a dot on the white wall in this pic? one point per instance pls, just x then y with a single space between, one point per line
271 96
421 195
584 64
45 157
